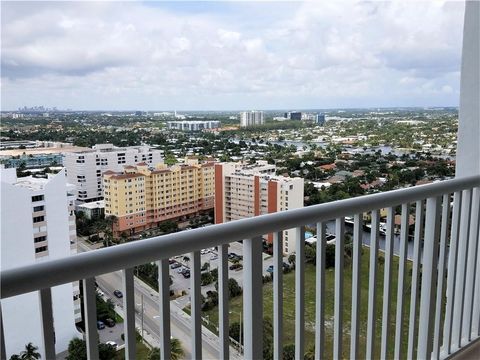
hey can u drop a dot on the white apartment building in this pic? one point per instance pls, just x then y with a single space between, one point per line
85 169
251 118
243 191
38 223
193 125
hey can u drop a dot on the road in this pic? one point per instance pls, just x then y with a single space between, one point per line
180 321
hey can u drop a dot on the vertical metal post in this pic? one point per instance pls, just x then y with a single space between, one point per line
320 293
3 352
129 315
223 301
164 308
372 286
387 284
338 307
143 310
357 253
429 268
412 328
471 271
277 295
451 275
300 293
401 279
441 275
195 306
90 306
46 319
461 270
252 298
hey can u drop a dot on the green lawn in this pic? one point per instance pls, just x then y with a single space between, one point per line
142 352
289 305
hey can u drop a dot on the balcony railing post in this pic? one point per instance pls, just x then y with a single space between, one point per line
356 287
252 298
338 309
223 302
277 295
164 308
3 352
129 314
471 265
320 293
372 286
195 305
300 293
461 269
429 269
90 305
46 319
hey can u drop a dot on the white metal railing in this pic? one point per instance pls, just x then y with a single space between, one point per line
446 255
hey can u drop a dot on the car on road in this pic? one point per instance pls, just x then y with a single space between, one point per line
118 294
100 325
171 261
109 322
175 265
186 273
214 257
180 270
112 344
270 269
236 267
204 251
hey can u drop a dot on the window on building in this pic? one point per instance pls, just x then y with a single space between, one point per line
40 239
41 249
38 208
37 198
38 219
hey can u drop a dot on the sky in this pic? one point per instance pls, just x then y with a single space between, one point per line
229 55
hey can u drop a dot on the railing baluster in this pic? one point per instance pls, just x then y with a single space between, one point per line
90 306
405 221
252 298
451 276
223 302
471 265
338 307
387 283
357 253
429 269
164 308
457 333
277 295
3 352
46 319
129 314
196 305
320 293
441 274
372 286
412 322
476 296
300 293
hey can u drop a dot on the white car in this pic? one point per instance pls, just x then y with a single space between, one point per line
113 344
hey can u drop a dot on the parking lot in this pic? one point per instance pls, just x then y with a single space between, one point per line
210 256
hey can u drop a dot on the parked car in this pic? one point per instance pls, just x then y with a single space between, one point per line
109 322
175 265
180 270
186 273
270 269
118 294
113 344
236 267
171 261
100 325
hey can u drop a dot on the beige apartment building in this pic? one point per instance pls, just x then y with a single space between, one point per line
141 197
243 190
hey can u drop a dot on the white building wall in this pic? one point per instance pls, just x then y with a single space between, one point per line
17 249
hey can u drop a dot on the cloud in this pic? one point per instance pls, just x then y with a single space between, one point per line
101 55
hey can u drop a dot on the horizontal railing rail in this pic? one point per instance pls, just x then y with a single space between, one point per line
50 273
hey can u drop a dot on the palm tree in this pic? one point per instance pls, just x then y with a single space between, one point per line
30 352
176 349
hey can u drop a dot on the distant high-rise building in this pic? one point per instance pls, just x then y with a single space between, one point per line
251 118
38 224
142 197
293 115
85 169
243 191
193 125
321 119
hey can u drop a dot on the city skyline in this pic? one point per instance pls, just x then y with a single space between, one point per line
231 56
